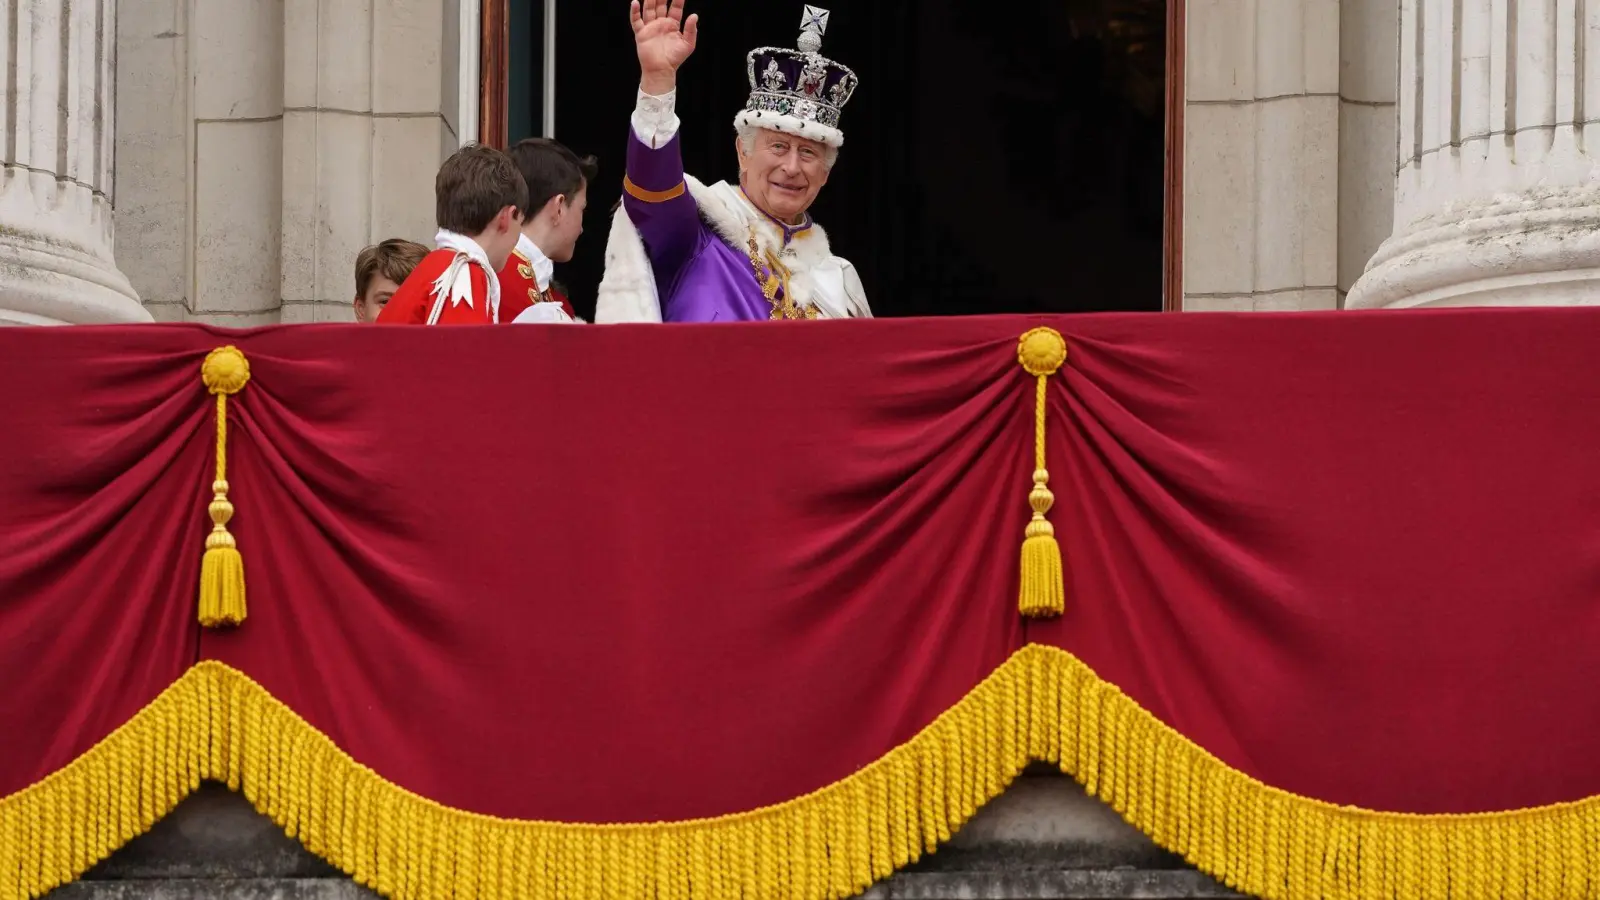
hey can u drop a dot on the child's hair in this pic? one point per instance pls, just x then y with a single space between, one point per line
393 259
474 184
549 169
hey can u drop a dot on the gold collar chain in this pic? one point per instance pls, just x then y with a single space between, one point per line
773 276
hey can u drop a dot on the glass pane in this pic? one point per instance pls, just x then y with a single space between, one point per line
525 62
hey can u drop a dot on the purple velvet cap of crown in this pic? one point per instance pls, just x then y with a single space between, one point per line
803 84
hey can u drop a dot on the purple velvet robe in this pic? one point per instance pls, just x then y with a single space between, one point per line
699 276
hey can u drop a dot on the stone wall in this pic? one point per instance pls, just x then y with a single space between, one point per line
1043 839
264 142
1289 133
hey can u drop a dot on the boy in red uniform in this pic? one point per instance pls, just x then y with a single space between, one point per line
478 197
380 270
558 193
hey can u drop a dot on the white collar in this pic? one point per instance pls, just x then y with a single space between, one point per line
455 284
754 212
543 268
738 205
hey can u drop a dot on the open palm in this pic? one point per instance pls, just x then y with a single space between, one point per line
664 40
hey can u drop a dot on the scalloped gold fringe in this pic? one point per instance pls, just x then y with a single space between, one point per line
215 723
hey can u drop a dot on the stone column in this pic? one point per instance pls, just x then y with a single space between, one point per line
56 147
1495 202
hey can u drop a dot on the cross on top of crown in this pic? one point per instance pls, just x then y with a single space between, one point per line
813 23
814 19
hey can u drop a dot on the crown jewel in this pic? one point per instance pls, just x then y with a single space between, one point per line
800 83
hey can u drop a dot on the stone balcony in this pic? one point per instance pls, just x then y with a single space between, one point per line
1044 838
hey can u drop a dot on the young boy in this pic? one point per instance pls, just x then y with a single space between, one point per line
479 196
552 221
380 270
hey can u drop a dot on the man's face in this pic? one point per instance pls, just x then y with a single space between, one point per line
568 227
783 173
368 305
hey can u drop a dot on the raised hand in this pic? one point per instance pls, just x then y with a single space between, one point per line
663 40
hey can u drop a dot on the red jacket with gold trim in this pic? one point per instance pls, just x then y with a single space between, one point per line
518 290
411 304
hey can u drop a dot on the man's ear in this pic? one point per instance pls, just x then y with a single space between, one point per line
556 206
509 219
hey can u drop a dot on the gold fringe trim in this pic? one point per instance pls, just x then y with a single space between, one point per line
215 723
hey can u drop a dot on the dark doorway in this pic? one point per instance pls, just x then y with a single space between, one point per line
999 158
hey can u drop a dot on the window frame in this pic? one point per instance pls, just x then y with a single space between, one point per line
1172 183
494 123
494 73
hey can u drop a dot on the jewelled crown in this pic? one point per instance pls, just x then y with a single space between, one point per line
799 91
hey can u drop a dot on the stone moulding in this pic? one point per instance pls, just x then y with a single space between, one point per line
55 254
1540 248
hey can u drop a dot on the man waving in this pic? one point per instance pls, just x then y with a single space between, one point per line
681 251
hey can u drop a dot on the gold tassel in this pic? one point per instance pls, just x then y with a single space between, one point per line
224 372
1041 353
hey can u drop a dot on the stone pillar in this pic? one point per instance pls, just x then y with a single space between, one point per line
56 147
1495 202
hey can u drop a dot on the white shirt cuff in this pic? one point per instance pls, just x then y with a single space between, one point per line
655 119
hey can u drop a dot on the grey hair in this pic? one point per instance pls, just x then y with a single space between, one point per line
747 139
